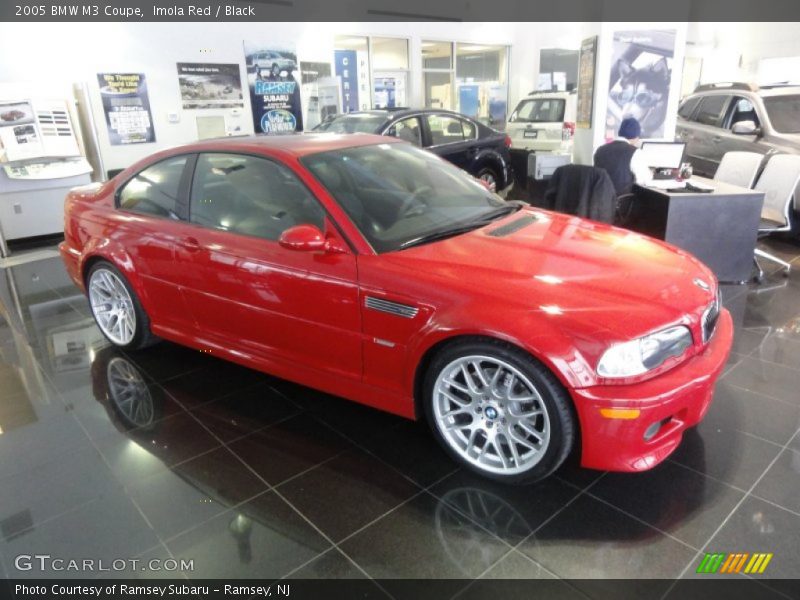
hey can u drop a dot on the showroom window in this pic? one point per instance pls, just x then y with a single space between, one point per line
558 70
482 82
438 74
249 195
154 191
373 71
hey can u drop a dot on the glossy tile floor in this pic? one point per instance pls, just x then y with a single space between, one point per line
170 453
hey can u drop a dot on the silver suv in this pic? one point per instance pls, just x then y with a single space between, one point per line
721 117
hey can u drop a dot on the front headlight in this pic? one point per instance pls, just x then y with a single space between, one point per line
644 354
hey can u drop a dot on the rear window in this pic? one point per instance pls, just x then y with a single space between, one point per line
687 108
784 113
539 110
712 110
352 123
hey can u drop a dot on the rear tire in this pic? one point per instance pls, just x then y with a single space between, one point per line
490 176
498 411
116 308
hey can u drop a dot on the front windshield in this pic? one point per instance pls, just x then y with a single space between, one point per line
784 113
398 195
352 123
539 110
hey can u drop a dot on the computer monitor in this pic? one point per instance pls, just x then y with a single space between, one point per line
663 155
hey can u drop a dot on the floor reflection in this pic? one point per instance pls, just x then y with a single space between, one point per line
172 452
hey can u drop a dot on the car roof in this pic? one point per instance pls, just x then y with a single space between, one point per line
396 113
296 144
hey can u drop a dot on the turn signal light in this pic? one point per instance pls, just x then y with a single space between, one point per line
620 413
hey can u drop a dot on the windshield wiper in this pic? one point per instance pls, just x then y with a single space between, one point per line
480 221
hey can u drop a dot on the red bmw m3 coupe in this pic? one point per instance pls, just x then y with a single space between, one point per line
370 269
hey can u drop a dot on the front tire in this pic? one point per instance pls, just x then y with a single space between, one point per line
498 412
116 308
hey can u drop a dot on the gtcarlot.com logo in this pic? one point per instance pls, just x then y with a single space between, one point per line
46 562
742 562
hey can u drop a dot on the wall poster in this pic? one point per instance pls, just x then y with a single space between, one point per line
19 132
586 73
641 70
205 85
273 79
127 108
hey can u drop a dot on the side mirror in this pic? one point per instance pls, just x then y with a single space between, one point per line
746 128
307 238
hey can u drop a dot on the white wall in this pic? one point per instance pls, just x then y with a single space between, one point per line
77 52
68 53
732 51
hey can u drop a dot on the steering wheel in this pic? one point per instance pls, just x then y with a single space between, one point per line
408 208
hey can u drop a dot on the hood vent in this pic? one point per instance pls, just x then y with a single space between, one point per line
512 227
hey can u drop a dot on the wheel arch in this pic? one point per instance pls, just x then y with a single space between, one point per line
106 251
492 159
429 353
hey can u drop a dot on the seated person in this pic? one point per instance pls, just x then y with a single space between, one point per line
622 158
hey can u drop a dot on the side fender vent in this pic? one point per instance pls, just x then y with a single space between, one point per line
393 308
512 227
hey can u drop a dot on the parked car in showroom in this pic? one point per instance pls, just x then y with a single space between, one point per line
724 117
468 144
543 122
370 269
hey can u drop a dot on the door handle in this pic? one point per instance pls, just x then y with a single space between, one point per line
191 244
716 139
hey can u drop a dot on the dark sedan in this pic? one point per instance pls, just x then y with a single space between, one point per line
472 146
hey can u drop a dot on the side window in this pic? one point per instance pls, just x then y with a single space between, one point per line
250 195
742 110
154 190
712 110
470 131
408 130
687 108
445 129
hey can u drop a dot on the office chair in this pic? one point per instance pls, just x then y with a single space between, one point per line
739 168
583 191
778 181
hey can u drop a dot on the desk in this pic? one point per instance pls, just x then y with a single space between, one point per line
720 228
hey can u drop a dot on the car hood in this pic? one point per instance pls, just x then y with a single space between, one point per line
606 278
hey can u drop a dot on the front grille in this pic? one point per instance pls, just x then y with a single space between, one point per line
710 318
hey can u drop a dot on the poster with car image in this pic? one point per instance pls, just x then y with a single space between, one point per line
206 85
273 79
126 105
639 87
19 135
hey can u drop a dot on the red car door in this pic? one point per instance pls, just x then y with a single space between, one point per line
250 293
147 225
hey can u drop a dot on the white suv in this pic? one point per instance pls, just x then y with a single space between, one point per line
543 122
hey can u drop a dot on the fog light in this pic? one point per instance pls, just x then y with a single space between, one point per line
651 431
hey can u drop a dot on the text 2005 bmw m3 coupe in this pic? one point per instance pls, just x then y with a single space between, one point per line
370 269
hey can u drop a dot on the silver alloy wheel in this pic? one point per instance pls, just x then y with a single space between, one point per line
130 393
491 414
490 180
112 306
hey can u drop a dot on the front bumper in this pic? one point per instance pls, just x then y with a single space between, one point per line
678 399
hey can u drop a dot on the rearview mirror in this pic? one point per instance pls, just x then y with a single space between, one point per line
307 238
746 128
